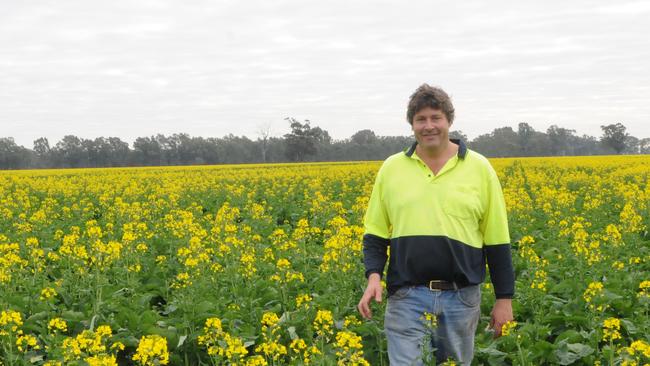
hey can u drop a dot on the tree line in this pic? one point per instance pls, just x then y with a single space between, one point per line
304 142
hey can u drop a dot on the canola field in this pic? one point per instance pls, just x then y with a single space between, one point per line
261 265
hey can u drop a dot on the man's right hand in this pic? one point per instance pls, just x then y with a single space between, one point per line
373 291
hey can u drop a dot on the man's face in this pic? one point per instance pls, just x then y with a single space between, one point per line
430 127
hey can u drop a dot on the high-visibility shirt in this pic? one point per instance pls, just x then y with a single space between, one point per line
442 226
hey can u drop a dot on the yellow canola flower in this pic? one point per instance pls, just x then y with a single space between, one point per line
283 264
638 347
611 328
87 344
26 342
351 320
303 300
508 327
349 349
323 323
10 321
152 350
57 325
271 347
644 289
593 296
347 340
104 360
256 360
593 289
430 320
103 331
270 319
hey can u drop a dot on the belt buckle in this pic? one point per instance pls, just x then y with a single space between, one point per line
431 285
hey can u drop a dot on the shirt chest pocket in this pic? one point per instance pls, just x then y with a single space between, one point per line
462 202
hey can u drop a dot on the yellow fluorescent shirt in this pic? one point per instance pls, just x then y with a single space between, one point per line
438 225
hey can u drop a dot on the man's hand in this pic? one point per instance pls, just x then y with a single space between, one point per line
501 313
373 291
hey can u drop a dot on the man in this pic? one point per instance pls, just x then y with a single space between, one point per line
439 208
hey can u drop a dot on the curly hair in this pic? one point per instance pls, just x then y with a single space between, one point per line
429 96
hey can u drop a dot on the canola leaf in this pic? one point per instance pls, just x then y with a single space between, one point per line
72 316
128 340
630 327
38 316
148 318
16 302
580 349
204 307
563 320
494 356
570 335
565 286
568 353
611 296
542 350
127 317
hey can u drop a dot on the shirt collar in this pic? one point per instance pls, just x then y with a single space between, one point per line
462 149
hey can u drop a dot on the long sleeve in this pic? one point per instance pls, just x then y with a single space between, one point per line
496 239
376 236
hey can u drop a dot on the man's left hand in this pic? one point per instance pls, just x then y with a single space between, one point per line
501 313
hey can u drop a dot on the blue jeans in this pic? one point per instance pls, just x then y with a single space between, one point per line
410 340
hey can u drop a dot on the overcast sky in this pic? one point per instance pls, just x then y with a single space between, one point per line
208 68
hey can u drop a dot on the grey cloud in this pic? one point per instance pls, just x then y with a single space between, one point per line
162 66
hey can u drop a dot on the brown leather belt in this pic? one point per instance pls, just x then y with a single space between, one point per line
440 285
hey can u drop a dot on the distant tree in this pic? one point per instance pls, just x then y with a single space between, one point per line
586 145
42 151
93 156
70 152
304 141
264 133
614 136
631 145
276 150
185 150
364 137
502 142
12 156
237 150
209 150
560 139
118 151
458 134
644 146
525 134
147 151
41 147
168 149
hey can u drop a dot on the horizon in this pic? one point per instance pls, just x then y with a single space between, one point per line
255 138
